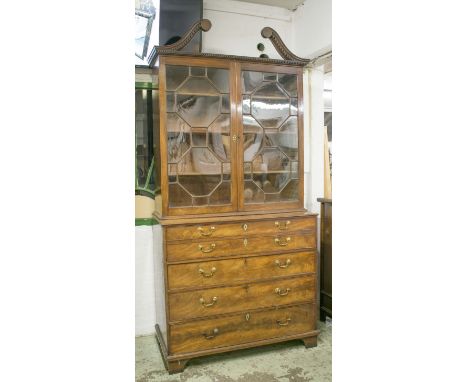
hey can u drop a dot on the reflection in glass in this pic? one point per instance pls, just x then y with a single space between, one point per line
289 83
220 79
175 75
219 137
198 111
270 106
250 80
199 132
271 171
178 137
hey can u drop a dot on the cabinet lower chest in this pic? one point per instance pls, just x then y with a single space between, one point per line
236 284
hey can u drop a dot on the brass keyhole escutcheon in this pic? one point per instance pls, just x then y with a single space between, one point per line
245 242
245 226
247 317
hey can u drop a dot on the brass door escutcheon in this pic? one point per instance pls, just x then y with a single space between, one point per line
207 250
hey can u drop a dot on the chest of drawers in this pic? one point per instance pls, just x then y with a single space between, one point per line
236 282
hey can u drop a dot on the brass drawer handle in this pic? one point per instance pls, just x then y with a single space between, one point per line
206 305
280 292
207 250
203 232
284 226
285 265
202 272
284 323
210 336
282 243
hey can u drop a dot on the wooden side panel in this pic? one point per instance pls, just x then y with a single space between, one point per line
203 303
216 248
242 328
220 272
247 228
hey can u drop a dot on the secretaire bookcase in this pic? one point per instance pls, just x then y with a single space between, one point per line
237 267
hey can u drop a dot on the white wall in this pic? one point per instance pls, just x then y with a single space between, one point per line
236 27
145 301
312 28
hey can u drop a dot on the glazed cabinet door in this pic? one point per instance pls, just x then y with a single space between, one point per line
197 130
271 151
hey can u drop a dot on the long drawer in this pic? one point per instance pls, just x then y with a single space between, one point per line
197 249
219 272
207 302
241 328
217 230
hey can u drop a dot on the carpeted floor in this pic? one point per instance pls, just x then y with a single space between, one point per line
289 361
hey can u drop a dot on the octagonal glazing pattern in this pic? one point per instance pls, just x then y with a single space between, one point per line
199 136
271 145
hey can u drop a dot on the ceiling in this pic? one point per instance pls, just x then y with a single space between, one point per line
288 4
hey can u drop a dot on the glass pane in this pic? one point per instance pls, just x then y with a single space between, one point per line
198 111
197 85
199 138
222 195
291 191
201 185
170 102
253 193
285 138
175 75
219 137
270 106
199 132
293 106
178 137
250 80
269 76
253 136
225 105
220 79
289 83
197 71
178 196
246 104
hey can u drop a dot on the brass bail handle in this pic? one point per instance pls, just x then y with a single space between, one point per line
284 323
285 265
210 336
282 242
280 292
207 305
283 226
206 231
205 274
207 250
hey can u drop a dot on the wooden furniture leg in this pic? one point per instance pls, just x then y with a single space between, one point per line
310 342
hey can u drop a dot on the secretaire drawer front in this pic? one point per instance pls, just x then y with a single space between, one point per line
218 272
198 249
241 328
207 302
216 230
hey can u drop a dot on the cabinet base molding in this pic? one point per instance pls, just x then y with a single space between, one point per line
176 363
